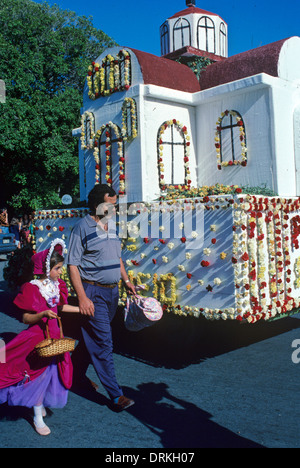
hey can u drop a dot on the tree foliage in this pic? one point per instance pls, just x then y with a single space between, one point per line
44 55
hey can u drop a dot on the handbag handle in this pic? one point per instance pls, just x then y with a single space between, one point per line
60 328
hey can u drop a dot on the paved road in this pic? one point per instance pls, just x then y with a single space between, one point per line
196 384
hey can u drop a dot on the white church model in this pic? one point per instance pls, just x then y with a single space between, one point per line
155 130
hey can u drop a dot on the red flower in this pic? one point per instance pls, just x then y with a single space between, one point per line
61 228
183 240
245 257
205 264
214 241
154 261
189 275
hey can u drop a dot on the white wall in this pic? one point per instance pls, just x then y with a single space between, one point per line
156 112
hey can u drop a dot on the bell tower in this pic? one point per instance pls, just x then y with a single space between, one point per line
194 32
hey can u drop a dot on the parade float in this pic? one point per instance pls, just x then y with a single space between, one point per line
204 152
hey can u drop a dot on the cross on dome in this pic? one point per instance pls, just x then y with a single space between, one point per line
190 3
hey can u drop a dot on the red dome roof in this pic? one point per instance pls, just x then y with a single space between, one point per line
190 11
261 60
166 73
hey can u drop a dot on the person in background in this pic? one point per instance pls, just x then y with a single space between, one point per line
14 228
4 225
25 232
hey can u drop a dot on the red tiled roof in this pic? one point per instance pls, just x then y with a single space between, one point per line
261 60
163 72
190 11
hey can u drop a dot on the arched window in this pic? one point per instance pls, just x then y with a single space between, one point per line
223 37
206 35
124 63
129 119
109 157
87 130
181 34
165 39
173 145
112 75
231 143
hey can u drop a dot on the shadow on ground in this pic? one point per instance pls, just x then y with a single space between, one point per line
179 423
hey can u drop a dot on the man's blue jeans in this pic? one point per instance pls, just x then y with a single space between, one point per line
97 335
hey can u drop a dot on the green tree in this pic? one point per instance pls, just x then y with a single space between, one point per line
44 55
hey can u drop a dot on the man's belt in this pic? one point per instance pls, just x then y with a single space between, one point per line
95 283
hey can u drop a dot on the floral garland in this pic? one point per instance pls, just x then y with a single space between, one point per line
159 290
133 131
295 225
91 119
267 274
240 123
116 80
183 130
108 145
297 273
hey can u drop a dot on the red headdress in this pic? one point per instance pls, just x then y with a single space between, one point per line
41 260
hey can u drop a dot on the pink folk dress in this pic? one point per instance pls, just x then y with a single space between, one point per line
25 379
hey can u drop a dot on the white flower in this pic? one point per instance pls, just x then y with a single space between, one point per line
181 268
165 259
188 256
41 228
217 281
206 251
194 234
170 245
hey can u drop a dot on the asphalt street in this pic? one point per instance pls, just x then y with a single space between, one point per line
196 385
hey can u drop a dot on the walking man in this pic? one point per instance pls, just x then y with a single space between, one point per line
95 268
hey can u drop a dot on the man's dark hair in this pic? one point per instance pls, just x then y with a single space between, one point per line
97 194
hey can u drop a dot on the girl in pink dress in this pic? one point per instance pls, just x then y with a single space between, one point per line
25 379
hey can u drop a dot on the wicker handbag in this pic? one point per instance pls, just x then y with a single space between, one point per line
55 347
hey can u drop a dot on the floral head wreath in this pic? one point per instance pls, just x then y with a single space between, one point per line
57 245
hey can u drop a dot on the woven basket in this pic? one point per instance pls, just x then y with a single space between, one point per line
55 347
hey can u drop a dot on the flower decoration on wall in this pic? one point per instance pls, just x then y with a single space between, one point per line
185 144
258 262
112 75
87 130
107 145
129 119
232 126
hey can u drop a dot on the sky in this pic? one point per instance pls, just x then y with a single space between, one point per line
136 24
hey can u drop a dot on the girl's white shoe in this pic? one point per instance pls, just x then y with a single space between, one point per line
43 431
